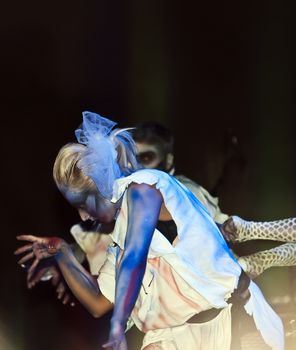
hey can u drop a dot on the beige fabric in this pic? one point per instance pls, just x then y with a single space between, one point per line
162 306
210 202
212 335
94 245
165 299
201 255
163 285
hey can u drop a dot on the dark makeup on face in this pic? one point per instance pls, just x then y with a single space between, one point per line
76 199
93 203
146 158
150 156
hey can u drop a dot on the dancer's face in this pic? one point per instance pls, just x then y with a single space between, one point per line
91 205
151 157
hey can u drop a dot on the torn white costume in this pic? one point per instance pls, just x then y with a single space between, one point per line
198 272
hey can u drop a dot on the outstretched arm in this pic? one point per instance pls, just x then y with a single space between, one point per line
257 263
242 230
236 229
47 270
144 204
82 284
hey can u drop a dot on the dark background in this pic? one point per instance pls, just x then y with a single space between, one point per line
213 73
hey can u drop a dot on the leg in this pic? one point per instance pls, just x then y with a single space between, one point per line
255 264
280 230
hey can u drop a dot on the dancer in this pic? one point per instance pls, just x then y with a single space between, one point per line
171 283
155 150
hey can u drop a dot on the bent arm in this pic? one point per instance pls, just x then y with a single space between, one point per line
144 204
81 283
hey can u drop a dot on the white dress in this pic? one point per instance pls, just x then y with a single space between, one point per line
196 273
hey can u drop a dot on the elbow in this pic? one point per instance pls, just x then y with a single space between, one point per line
100 308
97 313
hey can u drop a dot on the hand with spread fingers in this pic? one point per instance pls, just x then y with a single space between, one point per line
63 292
44 248
40 253
51 271
38 249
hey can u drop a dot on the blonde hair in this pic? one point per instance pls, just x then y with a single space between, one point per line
66 172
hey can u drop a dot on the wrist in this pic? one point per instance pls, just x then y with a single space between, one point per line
117 324
62 249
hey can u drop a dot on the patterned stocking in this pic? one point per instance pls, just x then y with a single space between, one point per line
280 230
282 255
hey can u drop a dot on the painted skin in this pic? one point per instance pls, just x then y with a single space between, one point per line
91 205
151 157
139 234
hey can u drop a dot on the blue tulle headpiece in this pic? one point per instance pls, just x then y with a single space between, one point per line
100 160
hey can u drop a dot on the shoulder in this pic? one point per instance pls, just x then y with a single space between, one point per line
148 177
187 182
142 192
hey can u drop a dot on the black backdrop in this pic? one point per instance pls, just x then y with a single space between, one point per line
213 73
